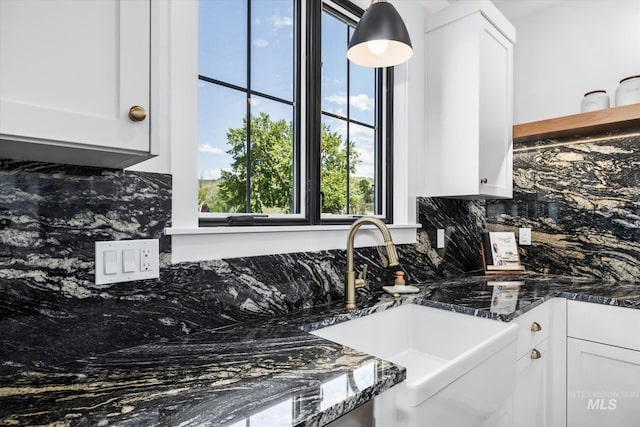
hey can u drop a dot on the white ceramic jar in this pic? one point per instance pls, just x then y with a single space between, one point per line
628 91
595 100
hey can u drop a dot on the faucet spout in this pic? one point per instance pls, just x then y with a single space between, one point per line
350 281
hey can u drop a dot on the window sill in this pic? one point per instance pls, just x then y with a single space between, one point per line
205 243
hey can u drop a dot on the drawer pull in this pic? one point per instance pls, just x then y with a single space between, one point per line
535 327
484 181
535 354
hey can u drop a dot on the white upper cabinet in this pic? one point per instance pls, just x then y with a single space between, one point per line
70 71
469 102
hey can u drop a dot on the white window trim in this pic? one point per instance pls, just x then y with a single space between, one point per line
193 243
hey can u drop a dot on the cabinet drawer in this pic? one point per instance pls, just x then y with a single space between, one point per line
528 336
604 324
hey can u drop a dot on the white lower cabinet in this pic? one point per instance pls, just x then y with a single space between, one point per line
530 403
603 385
603 360
540 391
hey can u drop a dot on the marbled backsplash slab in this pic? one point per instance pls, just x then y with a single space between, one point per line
582 200
51 215
463 222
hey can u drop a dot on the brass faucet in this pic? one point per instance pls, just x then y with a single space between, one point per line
350 281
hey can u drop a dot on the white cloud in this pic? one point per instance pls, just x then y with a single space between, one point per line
206 148
337 99
281 21
362 102
212 173
361 135
261 42
366 167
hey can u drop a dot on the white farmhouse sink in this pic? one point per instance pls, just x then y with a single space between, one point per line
469 362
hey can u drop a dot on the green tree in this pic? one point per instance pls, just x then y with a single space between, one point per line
333 170
362 196
271 167
271 171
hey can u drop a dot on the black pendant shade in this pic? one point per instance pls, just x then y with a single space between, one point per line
381 39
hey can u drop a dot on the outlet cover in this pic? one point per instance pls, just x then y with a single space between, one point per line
135 260
524 237
440 238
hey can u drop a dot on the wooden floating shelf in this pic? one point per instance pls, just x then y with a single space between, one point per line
582 124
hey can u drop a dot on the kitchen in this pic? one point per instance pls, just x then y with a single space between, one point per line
171 350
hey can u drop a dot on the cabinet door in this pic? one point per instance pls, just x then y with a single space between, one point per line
603 385
70 71
468 110
496 113
530 404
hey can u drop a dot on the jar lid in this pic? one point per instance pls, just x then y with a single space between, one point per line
629 78
595 91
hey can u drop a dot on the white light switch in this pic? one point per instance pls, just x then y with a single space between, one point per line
524 237
122 261
440 238
129 260
110 262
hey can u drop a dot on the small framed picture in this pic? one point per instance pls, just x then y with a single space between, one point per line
500 252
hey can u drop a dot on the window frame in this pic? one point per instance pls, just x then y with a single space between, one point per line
307 180
221 219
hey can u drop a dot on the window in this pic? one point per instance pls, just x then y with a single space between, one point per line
257 163
248 120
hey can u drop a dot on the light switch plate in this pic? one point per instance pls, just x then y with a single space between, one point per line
129 260
110 258
440 238
130 263
524 237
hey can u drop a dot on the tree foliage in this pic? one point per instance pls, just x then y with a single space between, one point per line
271 167
272 172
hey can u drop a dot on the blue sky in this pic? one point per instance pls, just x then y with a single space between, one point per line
223 41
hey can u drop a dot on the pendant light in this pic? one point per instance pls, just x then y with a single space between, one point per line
381 39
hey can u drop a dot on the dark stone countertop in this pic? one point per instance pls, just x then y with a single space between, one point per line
268 370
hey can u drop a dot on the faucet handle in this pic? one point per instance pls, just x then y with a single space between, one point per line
362 277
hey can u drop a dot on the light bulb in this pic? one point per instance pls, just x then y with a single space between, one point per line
377 47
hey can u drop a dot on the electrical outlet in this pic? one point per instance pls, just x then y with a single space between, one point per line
524 237
145 259
126 260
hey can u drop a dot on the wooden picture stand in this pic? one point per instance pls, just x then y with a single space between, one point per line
495 270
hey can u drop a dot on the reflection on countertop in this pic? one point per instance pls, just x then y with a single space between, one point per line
268 371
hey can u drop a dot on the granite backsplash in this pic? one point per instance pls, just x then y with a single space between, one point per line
51 215
581 198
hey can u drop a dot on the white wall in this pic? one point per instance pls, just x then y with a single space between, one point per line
570 48
410 79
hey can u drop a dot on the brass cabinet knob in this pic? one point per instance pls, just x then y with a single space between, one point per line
137 113
484 181
535 354
535 327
